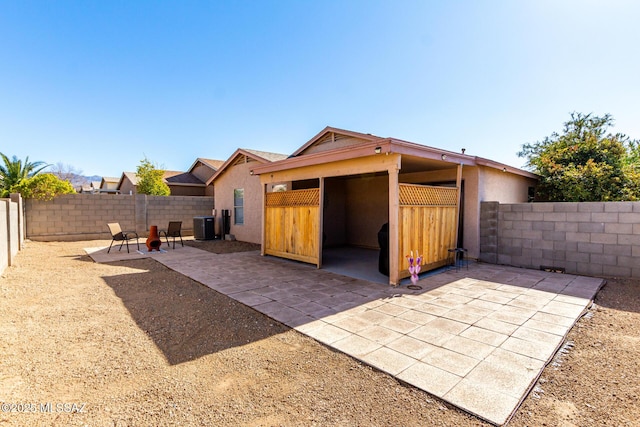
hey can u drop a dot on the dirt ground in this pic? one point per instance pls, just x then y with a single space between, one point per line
136 344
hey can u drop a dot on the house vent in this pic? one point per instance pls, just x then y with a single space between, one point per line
240 160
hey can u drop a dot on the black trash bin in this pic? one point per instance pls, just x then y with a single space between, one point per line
383 241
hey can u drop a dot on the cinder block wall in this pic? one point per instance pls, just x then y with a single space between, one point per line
85 216
597 239
10 235
4 232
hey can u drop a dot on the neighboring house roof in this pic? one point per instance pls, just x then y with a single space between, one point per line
131 176
362 145
181 178
213 164
255 155
109 180
171 178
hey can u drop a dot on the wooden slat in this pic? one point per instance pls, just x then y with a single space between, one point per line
426 224
426 195
292 221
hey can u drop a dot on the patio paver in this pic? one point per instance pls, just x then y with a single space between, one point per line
476 338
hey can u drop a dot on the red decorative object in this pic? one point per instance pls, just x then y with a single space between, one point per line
153 241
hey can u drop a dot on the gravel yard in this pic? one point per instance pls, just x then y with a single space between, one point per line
133 343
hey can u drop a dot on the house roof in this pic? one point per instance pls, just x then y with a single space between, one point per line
371 144
181 178
259 156
131 176
331 130
211 163
109 179
268 156
177 178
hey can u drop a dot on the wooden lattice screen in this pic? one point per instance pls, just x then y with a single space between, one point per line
424 195
292 221
427 221
294 198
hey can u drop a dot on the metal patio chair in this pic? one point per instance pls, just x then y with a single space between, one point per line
173 230
117 235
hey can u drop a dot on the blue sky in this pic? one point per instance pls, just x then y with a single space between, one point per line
99 85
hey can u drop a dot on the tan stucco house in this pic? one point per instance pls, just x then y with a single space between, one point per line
240 192
204 169
342 187
180 183
108 185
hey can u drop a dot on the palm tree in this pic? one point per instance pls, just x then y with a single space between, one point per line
15 171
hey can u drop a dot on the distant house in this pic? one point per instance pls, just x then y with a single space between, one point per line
184 184
180 183
128 183
239 191
108 185
346 187
204 169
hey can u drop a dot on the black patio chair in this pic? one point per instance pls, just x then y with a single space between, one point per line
173 230
117 235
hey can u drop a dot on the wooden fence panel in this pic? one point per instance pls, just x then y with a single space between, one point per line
427 223
292 221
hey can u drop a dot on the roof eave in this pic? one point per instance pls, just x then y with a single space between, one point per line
334 130
231 159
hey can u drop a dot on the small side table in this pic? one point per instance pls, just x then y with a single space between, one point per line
458 257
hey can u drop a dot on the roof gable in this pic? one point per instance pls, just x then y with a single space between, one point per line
333 138
244 155
210 163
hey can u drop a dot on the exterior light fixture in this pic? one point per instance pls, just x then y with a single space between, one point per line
504 169
378 150
444 157
250 172
463 150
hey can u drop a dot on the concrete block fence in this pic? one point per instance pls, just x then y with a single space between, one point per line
85 216
594 239
11 229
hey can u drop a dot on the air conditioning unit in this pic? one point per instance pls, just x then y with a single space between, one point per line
203 227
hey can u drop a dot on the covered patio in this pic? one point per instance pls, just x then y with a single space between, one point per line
364 192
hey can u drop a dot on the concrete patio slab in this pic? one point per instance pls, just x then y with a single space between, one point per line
476 338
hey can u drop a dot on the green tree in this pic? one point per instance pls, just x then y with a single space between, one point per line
14 171
585 162
44 186
150 179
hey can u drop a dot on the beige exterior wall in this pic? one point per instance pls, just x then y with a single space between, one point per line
503 187
187 190
202 172
367 209
238 176
335 213
127 187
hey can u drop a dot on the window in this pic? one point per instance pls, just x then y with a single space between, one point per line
238 206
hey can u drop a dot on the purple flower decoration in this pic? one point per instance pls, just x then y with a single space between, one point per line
415 264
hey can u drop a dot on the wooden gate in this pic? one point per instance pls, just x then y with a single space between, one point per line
427 222
291 224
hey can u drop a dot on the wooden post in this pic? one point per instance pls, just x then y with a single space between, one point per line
320 221
459 186
263 238
394 200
